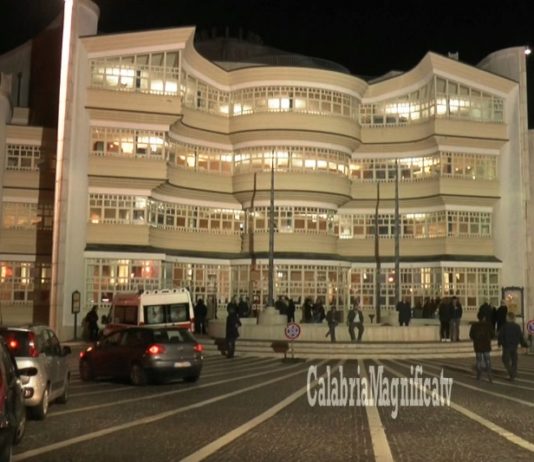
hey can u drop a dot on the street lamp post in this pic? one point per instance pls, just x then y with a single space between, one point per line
270 297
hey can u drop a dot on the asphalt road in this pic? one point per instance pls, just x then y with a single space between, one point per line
258 409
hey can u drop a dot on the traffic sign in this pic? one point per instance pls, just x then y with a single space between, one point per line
530 327
292 330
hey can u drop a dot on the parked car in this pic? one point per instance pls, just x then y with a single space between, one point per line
143 354
38 346
12 409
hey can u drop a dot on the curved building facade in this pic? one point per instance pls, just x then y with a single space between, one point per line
163 178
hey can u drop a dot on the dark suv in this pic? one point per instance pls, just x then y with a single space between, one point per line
12 409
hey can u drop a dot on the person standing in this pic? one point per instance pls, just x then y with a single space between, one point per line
232 332
243 308
91 319
355 319
232 305
510 337
481 334
445 314
486 311
456 317
290 310
307 310
331 319
318 310
405 312
201 313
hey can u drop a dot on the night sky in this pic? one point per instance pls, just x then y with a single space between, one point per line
369 37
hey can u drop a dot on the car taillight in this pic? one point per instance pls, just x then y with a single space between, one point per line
155 349
83 353
199 348
13 344
32 347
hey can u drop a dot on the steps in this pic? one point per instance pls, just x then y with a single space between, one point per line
345 350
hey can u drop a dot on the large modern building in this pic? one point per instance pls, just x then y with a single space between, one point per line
156 172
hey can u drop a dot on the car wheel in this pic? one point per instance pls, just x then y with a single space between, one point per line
20 429
137 375
191 378
39 412
86 371
65 395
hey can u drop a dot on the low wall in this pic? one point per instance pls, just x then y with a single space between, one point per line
250 330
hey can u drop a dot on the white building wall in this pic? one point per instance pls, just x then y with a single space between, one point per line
71 177
511 215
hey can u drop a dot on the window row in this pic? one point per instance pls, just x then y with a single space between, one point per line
440 97
123 209
442 164
22 157
417 225
24 215
127 143
334 284
20 280
307 100
155 73
156 145
119 209
161 73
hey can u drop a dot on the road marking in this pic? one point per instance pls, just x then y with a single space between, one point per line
478 389
168 393
149 419
496 380
512 437
493 368
132 388
379 439
226 439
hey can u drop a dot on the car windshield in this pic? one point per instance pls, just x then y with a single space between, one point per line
173 336
17 341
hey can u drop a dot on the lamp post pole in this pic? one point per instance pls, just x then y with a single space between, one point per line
397 235
270 300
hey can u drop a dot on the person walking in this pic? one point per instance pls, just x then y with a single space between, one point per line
456 316
481 334
500 315
232 332
331 319
445 314
510 337
405 312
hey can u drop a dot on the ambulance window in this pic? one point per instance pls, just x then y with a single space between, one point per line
178 312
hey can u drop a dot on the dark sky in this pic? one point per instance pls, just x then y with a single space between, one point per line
368 37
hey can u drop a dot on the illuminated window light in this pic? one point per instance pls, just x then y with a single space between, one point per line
156 85
441 106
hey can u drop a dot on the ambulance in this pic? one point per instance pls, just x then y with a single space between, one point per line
162 307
